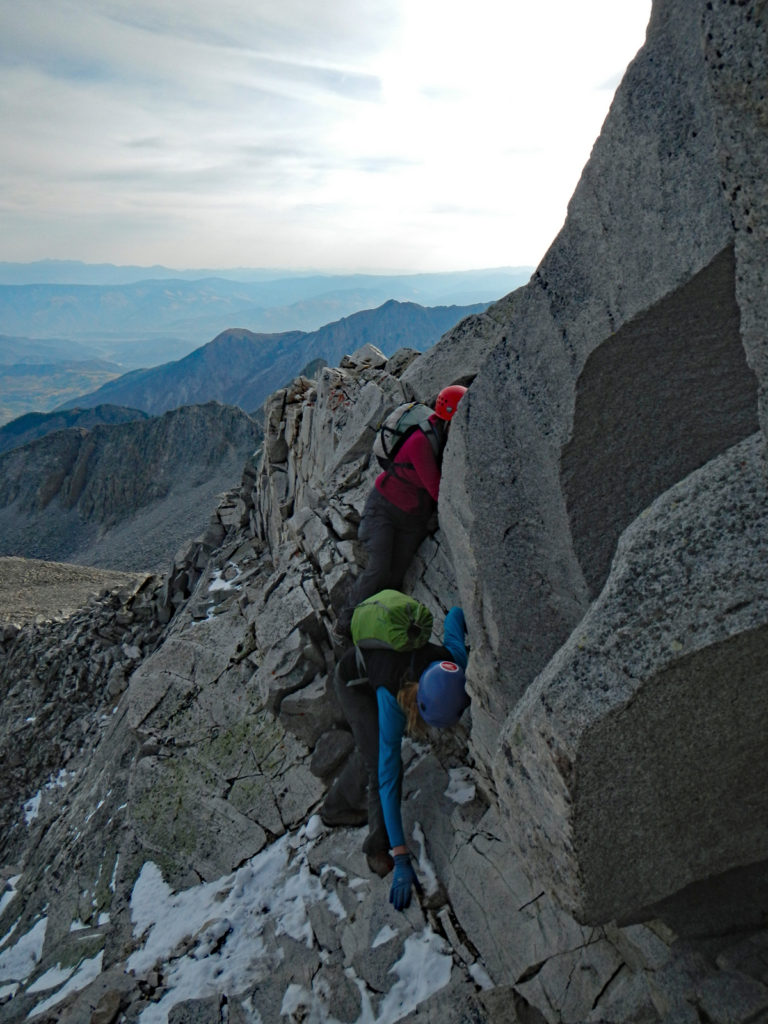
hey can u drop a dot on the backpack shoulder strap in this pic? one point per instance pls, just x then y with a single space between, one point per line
436 435
360 661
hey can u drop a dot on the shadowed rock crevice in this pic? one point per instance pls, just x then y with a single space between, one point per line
661 397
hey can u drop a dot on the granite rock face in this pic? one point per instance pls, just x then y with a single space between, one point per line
643 729
633 358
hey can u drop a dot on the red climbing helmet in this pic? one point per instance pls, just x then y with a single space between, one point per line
441 697
448 399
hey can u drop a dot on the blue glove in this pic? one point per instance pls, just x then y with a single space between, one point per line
402 880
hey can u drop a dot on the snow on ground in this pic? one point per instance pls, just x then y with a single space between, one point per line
480 976
52 978
423 969
114 868
427 873
86 972
62 780
386 933
223 928
461 788
221 583
32 807
18 961
219 580
218 937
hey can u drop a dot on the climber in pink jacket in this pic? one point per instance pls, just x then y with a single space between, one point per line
400 506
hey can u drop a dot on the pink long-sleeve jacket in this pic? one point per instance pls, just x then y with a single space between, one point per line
414 483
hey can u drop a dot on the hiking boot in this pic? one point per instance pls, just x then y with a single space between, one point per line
380 863
340 815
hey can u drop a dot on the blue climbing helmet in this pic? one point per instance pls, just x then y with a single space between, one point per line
441 697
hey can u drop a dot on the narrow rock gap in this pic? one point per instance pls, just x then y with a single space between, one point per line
608 983
530 972
532 901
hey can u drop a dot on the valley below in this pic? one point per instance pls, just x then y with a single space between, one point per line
33 590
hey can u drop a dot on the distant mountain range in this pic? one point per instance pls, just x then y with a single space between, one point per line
140 322
120 477
242 368
69 272
78 272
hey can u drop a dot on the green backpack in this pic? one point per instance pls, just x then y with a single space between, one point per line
391 620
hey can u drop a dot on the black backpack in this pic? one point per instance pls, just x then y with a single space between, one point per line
399 425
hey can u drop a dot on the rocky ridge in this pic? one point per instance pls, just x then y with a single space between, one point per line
214 753
122 496
33 425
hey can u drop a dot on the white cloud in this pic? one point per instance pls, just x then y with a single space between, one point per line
411 134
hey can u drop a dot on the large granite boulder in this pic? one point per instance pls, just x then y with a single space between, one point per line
633 357
620 368
630 766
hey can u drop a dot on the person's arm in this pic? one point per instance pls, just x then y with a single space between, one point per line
454 633
391 730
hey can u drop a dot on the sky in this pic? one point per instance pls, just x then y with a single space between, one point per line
361 135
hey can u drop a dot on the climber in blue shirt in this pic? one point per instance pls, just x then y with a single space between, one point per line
383 694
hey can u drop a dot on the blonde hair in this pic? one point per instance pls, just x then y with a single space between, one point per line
406 698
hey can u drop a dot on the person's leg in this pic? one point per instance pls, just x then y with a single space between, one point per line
411 531
346 802
376 533
358 701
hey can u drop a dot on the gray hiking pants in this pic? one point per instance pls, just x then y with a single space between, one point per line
391 538
358 701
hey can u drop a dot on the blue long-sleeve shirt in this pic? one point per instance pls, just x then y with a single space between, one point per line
392 725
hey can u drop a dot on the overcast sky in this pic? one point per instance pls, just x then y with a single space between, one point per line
370 135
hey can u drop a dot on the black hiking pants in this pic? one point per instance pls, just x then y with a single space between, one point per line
358 701
391 538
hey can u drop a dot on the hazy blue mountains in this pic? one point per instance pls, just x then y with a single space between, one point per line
15 350
147 321
77 272
275 285
242 368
